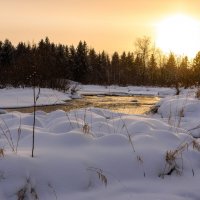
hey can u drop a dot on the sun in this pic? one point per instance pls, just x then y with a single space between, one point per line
179 34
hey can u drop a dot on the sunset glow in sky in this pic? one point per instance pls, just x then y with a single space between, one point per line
178 33
111 25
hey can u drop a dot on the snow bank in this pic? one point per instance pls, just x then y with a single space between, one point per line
128 90
182 111
79 152
23 97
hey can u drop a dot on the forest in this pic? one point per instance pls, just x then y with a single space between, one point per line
51 65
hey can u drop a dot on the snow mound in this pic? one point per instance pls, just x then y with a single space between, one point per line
181 111
78 152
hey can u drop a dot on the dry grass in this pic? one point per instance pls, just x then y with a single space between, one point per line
138 157
86 129
172 157
2 152
100 173
180 116
27 192
196 145
6 133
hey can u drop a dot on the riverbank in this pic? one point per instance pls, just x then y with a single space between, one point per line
128 90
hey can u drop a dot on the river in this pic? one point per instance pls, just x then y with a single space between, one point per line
124 104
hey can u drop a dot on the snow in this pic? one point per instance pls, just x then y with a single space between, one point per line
23 97
128 90
97 154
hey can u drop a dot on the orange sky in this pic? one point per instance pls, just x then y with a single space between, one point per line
104 24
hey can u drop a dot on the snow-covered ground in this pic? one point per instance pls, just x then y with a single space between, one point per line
23 97
128 90
97 154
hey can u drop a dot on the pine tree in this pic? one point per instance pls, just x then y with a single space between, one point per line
152 71
81 63
196 69
7 62
115 66
184 73
170 70
92 67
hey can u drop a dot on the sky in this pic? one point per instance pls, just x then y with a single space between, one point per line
110 25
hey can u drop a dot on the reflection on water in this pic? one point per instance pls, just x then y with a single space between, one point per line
124 104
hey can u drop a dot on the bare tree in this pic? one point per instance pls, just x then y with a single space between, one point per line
143 48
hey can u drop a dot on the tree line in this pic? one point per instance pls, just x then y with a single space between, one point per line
50 65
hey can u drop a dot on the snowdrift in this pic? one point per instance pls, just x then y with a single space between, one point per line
97 154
